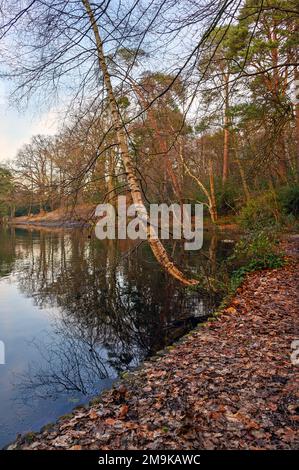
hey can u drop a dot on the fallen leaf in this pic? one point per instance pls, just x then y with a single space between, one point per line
231 310
93 414
110 421
123 411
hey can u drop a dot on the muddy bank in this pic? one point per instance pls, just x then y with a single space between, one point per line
67 217
57 224
230 384
83 216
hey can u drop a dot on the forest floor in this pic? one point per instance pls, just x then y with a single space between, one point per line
230 384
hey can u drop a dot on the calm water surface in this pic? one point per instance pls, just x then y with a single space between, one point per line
76 312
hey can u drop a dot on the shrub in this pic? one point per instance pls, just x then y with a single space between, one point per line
255 244
227 200
262 211
23 210
255 251
289 200
271 261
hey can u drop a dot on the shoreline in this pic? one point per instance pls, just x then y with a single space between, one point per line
83 215
79 216
149 408
76 224
63 224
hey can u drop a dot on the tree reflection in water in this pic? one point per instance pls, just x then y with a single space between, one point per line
7 251
113 310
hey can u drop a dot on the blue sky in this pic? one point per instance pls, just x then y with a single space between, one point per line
17 127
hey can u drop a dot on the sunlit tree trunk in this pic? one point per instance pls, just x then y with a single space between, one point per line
241 170
155 244
213 254
243 179
61 190
213 206
12 210
297 118
211 198
277 90
282 163
110 178
162 144
226 130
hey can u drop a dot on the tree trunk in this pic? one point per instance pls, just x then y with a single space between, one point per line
297 119
276 92
211 199
162 144
213 208
241 169
110 179
61 190
243 179
282 163
226 131
155 244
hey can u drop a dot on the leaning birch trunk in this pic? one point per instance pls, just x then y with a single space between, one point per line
155 244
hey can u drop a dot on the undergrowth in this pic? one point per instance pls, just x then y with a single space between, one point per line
254 252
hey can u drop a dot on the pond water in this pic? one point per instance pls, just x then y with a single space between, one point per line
75 312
